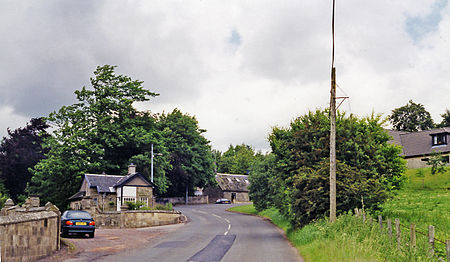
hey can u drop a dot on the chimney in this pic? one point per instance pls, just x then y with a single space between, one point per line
131 169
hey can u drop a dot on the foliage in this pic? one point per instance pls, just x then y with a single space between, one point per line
167 207
367 162
437 163
423 201
309 195
411 117
445 119
262 183
3 194
135 205
102 132
348 239
239 159
21 150
190 153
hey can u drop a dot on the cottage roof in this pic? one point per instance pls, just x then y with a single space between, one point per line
420 143
78 195
104 183
232 182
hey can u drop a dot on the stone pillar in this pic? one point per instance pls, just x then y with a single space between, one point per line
8 204
35 201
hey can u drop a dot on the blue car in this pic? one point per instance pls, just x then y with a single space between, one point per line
77 222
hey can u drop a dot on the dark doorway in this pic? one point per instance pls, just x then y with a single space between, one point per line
233 197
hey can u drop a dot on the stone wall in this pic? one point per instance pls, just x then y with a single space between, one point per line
192 200
240 196
29 233
136 218
419 161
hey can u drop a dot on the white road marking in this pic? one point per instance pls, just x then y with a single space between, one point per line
228 221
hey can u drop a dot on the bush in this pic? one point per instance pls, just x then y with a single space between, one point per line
311 188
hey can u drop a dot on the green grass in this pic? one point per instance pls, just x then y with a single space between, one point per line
423 201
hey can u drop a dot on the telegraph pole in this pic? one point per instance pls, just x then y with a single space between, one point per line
333 131
333 147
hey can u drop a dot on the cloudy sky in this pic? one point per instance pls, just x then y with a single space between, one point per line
241 67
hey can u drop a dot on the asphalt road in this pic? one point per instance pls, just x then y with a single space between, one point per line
213 234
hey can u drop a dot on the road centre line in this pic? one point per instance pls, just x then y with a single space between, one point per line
228 221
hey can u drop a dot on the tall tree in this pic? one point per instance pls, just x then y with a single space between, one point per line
102 132
300 170
190 153
21 150
239 159
445 119
411 118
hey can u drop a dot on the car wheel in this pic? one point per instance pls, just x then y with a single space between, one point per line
91 235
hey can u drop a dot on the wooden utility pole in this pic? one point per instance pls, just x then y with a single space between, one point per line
333 146
333 132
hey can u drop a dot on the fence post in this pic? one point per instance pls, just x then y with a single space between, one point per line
447 247
364 217
398 232
380 221
389 226
431 239
356 212
413 235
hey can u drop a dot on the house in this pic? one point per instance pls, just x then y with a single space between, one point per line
418 146
110 192
231 186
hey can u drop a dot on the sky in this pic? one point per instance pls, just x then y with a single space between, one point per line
240 67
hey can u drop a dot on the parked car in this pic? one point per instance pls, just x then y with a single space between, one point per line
223 201
77 222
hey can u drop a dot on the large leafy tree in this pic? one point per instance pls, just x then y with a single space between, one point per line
411 117
19 151
239 159
301 150
445 119
190 153
102 132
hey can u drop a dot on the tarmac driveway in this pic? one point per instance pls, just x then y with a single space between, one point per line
108 242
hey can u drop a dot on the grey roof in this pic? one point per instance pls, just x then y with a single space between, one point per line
78 195
103 183
231 182
420 143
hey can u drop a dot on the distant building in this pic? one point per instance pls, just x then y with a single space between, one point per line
231 186
418 146
110 192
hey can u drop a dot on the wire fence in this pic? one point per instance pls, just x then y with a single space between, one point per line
386 226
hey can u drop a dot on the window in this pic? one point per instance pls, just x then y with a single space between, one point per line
144 200
439 139
129 199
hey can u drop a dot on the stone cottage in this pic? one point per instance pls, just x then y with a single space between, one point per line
231 186
111 192
418 146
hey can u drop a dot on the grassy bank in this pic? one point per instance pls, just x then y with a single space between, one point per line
424 201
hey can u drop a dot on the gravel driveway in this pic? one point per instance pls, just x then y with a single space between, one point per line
108 242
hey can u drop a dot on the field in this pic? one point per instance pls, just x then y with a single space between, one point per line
424 200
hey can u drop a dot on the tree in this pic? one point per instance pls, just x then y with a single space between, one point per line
190 153
238 159
411 118
262 183
445 119
437 162
301 150
102 132
21 150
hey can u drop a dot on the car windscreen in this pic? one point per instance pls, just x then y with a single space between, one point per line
78 215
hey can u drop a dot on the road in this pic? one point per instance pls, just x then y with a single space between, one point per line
213 234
